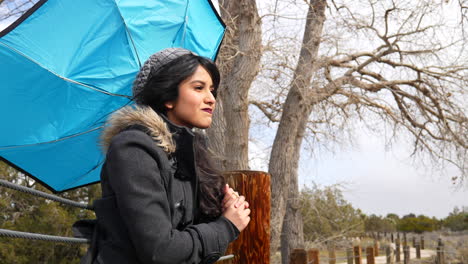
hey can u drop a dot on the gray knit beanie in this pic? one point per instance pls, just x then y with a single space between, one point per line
154 64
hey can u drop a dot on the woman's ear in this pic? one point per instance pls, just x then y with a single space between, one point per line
169 105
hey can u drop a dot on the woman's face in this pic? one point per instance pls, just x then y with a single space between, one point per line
195 104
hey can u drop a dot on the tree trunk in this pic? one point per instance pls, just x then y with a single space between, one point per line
239 62
216 134
282 166
292 234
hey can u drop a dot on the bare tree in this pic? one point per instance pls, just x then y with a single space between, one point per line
397 63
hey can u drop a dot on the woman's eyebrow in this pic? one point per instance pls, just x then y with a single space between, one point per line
198 81
201 82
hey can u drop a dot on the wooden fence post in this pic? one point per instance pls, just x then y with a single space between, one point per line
349 256
376 248
414 242
298 256
370 255
357 255
397 249
331 253
440 252
313 256
406 254
418 251
253 244
391 237
405 242
422 242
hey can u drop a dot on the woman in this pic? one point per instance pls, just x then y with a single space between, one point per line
162 200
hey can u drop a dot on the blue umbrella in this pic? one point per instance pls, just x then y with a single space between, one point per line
65 65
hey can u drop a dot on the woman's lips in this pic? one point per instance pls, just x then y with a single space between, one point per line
208 110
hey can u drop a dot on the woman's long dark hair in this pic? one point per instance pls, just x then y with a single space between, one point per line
163 87
211 182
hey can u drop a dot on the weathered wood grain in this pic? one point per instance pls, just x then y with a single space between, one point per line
253 244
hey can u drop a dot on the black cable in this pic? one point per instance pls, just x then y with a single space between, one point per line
48 196
34 236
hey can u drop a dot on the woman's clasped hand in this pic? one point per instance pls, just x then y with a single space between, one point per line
236 208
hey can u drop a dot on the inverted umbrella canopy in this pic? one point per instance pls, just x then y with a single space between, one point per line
65 65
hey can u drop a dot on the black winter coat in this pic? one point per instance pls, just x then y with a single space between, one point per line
148 210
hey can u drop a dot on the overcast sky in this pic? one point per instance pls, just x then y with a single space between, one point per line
380 182
375 180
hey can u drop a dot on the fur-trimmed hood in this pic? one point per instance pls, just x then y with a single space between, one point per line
138 115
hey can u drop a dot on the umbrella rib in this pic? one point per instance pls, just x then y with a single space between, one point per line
130 35
182 28
61 77
185 22
53 141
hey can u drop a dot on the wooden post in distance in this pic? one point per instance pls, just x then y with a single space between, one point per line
418 251
298 256
397 249
313 256
370 255
376 247
357 255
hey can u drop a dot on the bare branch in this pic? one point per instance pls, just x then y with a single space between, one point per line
271 111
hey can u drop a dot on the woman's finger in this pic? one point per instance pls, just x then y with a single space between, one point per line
229 195
247 212
240 201
229 203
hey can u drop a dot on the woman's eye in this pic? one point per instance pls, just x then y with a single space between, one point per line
199 87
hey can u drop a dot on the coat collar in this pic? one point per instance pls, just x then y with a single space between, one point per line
145 116
176 141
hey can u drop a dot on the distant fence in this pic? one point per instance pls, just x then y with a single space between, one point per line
397 252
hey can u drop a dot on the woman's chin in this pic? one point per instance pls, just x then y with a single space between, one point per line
203 125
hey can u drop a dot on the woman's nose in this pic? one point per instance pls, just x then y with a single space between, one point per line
209 98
